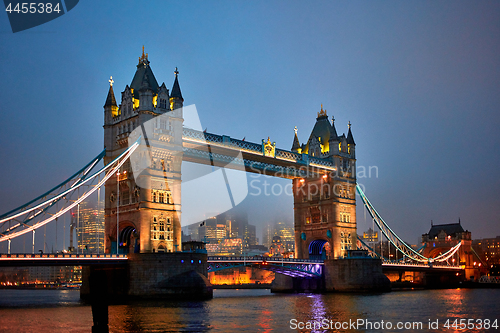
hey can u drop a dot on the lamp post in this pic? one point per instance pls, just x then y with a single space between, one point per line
117 208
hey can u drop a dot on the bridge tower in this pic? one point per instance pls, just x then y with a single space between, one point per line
442 237
149 206
325 203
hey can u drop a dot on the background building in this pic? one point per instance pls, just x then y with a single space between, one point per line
228 233
488 249
89 228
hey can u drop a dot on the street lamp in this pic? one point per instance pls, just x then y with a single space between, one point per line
117 208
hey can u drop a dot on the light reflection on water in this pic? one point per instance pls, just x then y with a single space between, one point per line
242 310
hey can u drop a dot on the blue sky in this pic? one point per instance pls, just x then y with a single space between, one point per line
419 81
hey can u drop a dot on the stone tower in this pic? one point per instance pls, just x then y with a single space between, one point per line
325 204
148 203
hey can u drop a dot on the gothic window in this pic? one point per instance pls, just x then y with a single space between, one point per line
124 198
162 225
326 191
154 235
161 197
163 103
168 220
163 123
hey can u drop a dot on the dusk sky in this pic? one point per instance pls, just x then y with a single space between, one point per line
418 80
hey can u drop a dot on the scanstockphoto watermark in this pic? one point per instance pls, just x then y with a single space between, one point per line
357 324
325 188
462 324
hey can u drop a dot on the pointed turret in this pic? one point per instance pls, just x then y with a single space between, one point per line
296 143
110 100
110 107
350 139
142 74
322 131
176 99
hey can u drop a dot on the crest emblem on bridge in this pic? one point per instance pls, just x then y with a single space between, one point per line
269 148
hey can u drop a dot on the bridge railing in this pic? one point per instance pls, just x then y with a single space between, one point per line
417 264
61 256
267 259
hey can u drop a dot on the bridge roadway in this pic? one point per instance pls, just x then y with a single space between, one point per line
61 259
287 266
414 267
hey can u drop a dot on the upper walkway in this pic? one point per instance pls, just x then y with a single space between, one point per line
224 151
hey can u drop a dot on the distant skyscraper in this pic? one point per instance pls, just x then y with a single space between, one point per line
267 235
287 236
89 229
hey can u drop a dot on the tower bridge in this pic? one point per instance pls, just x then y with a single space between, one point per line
146 141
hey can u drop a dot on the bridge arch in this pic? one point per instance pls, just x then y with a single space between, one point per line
129 238
319 249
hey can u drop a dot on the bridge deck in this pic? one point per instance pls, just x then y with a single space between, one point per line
23 259
417 267
264 259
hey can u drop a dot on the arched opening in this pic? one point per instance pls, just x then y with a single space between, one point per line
317 249
161 248
129 240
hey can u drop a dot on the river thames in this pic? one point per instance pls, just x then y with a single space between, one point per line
259 311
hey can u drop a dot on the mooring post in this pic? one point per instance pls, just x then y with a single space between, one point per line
99 299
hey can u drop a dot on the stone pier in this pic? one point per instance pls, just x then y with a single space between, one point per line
339 275
177 276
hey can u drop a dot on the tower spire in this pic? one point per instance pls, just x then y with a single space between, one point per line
350 139
143 60
176 100
176 89
110 100
322 113
296 143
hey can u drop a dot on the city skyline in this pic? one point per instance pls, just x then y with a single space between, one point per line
422 99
